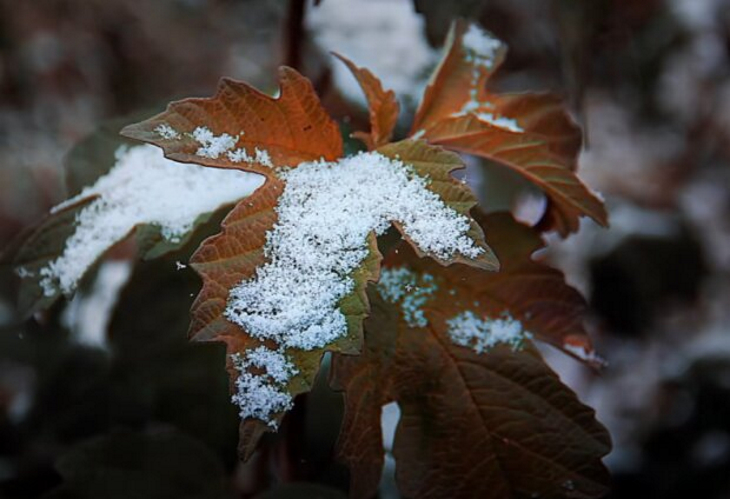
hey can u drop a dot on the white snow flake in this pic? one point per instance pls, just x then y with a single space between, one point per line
211 145
261 385
167 132
411 289
469 330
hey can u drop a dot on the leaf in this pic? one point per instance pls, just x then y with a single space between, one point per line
225 260
287 130
530 133
436 164
493 425
383 106
36 248
132 194
529 291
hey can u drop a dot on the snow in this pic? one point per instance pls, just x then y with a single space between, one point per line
385 36
501 121
211 145
142 187
88 314
411 289
468 330
262 394
242 155
214 146
167 132
481 47
325 214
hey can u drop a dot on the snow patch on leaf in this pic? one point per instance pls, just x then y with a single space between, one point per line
412 290
167 132
261 385
501 121
480 46
143 187
213 146
469 330
325 214
260 156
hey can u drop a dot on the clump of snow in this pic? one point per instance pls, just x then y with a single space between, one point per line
501 121
469 330
260 156
411 289
325 214
261 386
480 46
167 132
385 36
142 187
211 145
214 146
88 314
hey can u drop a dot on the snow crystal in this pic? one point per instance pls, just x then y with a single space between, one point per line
262 394
142 187
325 215
468 330
481 47
260 156
167 132
500 121
211 145
412 290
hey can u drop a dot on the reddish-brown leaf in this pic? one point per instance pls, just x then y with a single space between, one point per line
529 291
382 104
291 128
530 133
494 425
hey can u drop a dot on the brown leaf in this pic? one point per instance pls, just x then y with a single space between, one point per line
436 164
529 291
492 425
291 128
225 260
382 104
530 133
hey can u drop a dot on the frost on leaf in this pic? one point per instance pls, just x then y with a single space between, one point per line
410 290
530 133
261 383
290 267
142 189
241 127
494 424
525 298
482 334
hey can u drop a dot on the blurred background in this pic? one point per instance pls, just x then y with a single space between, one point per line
98 403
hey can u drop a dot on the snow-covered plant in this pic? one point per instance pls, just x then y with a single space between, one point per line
440 320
